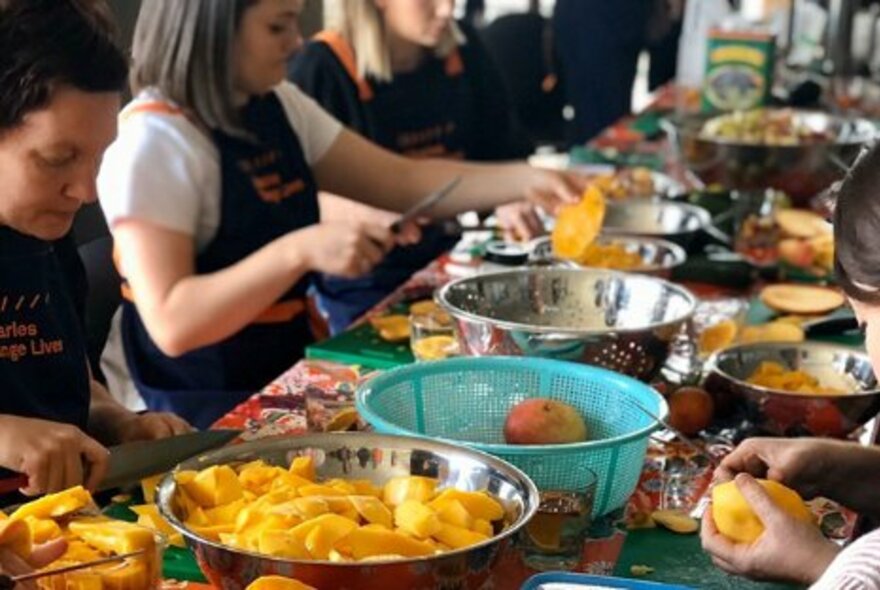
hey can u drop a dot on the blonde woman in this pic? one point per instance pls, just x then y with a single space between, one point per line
404 74
211 188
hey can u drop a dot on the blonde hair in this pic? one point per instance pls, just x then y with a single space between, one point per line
361 23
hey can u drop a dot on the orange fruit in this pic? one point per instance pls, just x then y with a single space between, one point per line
719 336
691 410
735 518
577 226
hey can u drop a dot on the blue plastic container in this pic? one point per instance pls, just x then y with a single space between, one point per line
576 581
466 400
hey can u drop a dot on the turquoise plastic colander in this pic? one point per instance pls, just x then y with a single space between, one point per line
466 401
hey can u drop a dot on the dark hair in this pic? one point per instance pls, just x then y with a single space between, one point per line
857 229
45 44
184 48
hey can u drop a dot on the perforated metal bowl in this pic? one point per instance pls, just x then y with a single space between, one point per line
377 458
623 322
789 414
676 222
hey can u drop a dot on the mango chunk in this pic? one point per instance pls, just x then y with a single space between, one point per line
215 486
458 538
319 490
131 575
283 544
310 507
478 504
416 519
113 536
321 540
226 514
148 487
453 512
676 521
257 476
364 487
43 530
55 505
83 581
149 517
400 489
304 467
277 583
373 510
367 542
484 527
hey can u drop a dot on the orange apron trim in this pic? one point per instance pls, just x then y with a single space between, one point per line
151 106
454 65
344 52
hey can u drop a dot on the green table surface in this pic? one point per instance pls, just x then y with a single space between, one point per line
679 559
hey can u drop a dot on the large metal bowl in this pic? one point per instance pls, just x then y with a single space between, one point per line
623 322
802 171
675 222
789 414
376 458
659 257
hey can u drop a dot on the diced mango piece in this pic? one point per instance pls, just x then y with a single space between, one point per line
458 538
342 485
323 537
113 536
283 544
288 482
215 486
304 467
338 557
319 490
277 583
148 487
83 581
367 542
131 575
453 512
484 527
310 507
211 532
17 535
257 476
43 530
148 516
55 505
417 519
400 489
373 510
479 504
226 514
364 487
79 552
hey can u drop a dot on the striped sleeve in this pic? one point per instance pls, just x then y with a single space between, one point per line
856 568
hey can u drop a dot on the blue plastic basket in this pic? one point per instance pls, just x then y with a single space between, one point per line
466 400
574 581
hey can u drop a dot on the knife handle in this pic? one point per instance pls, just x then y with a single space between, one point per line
13 484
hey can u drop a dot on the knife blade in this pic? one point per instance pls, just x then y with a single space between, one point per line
425 204
132 462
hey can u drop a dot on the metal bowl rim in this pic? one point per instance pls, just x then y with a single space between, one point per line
363 391
684 126
531 497
713 368
679 254
441 294
704 217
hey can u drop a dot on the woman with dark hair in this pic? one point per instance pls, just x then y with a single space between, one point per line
405 75
211 194
61 76
845 472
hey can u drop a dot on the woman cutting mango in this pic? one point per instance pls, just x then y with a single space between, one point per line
790 549
211 193
405 75
61 77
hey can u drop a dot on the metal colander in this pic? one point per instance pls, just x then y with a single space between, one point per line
619 321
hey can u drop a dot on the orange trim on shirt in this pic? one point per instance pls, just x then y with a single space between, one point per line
344 52
281 312
150 106
454 65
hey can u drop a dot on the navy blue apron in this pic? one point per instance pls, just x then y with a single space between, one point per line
423 114
43 369
267 191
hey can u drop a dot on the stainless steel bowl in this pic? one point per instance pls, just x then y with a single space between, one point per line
377 458
788 414
802 171
676 222
624 322
659 257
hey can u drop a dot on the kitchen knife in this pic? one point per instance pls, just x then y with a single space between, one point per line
424 205
131 462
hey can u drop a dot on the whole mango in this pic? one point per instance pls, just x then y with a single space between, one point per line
735 519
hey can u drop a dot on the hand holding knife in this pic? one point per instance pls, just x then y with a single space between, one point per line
424 205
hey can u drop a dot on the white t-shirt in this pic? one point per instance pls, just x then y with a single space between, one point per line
856 568
165 170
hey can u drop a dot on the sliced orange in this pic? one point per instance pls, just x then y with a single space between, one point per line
392 328
577 226
718 336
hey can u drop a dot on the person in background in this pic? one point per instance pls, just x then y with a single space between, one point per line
598 44
60 83
403 74
844 472
211 188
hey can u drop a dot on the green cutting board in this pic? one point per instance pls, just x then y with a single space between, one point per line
361 346
679 559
